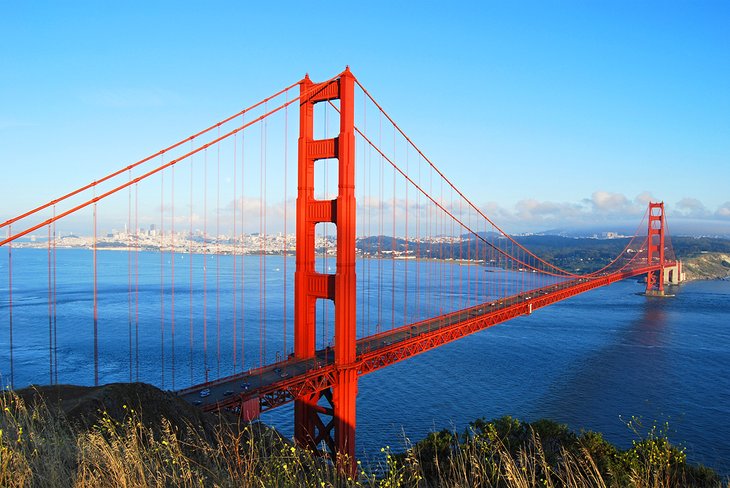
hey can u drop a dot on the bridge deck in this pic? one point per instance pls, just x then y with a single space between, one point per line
276 384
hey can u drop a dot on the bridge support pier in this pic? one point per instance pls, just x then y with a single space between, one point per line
655 250
344 401
338 403
307 424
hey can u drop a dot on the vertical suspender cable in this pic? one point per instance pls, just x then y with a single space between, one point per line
523 271
129 272
470 288
507 269
478 291
162 276
405 252
381 197
172 277
504 265
393 248
477 258
10 305
325 229
497 256
501 258
262 244
532 277
368 180
507 291
484 257
520 270
95 312
488 294
190 267
55 302
442 257
361 220
218 257
418 243
50 313
439 265
452 255
490 253
513 283
286 168
468 259
519 280
368 318
480 254
460 296
243 258
431 249
136 281
234 296
205 263
263 269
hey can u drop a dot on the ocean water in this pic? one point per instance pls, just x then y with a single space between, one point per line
593 361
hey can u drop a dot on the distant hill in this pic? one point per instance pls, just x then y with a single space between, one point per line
577 254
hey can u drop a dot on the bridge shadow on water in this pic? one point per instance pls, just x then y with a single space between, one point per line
629 377
661 367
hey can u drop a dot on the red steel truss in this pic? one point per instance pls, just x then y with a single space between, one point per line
375 352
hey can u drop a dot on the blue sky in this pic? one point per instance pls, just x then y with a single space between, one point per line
547 114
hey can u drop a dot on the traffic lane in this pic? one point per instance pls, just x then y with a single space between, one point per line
293 368
243 384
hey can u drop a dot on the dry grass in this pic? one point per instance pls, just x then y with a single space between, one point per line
40 448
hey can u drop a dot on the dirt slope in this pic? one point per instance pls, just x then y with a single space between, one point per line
707 266
83 405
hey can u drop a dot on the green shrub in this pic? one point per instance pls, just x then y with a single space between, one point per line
41 448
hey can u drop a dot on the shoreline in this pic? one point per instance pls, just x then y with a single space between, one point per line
706 266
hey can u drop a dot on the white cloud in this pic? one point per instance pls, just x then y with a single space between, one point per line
618 204
723 211
532 210
601 207
691 208
643 199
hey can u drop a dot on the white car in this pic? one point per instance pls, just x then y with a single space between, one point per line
204 393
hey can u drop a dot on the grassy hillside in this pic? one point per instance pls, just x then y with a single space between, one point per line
138 436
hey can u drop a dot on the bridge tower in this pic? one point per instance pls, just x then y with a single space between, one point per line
655 249
334 422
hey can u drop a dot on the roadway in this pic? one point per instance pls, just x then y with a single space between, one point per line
233 389
282 382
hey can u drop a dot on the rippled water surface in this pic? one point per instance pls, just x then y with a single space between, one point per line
592 361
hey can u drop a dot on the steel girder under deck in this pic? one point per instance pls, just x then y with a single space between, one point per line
381 350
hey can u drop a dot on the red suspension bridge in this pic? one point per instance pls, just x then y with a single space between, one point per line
252 283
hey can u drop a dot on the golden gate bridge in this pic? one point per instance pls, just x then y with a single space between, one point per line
376 224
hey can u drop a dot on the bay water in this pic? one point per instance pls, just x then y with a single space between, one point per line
593 362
